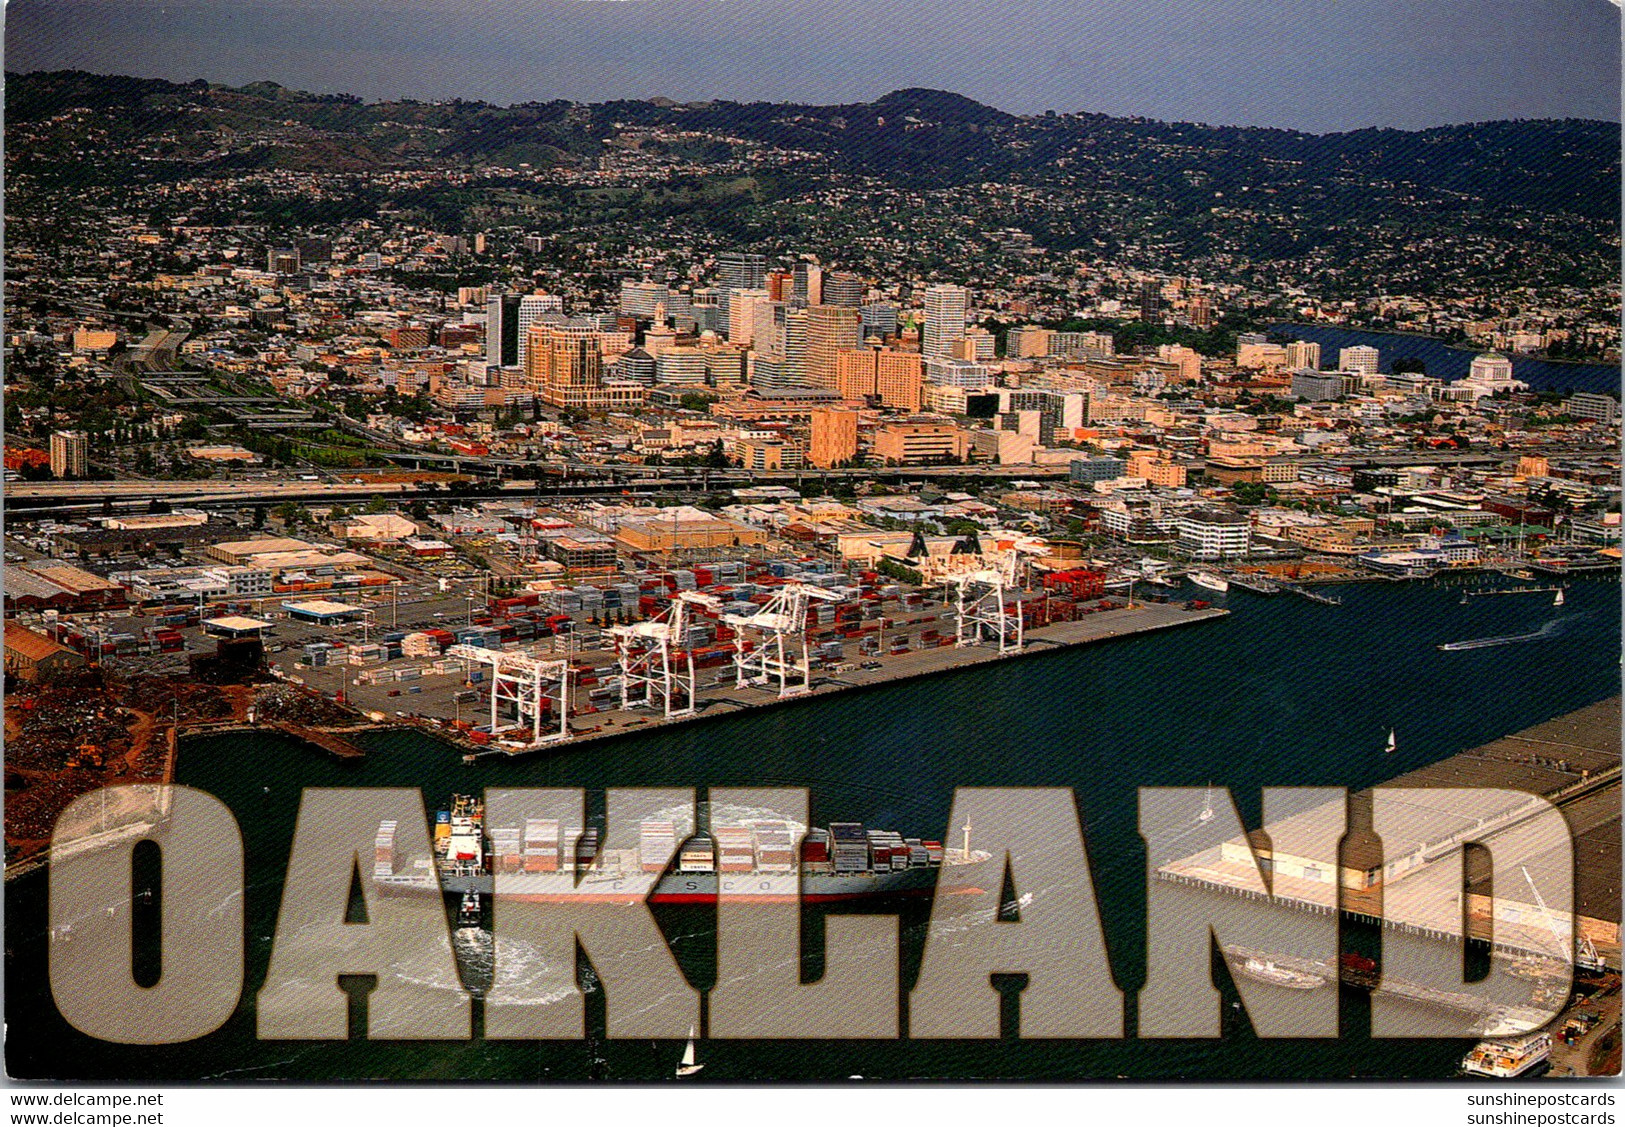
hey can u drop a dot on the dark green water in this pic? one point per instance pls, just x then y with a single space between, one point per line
1283 692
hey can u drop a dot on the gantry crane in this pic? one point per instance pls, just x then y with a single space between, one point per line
779 633
655 661
534 687
983 587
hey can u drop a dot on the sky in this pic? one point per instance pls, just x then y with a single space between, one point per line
1316 65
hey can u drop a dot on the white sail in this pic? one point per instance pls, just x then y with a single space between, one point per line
1558 601
1391 741
689 1065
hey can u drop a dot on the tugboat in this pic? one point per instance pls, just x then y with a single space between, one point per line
468 912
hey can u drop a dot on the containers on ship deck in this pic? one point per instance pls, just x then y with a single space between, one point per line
384 849
657 840
849 847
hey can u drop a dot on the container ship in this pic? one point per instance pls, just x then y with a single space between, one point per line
757 857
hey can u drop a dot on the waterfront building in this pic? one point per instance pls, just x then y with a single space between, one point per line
1214 534
1360 358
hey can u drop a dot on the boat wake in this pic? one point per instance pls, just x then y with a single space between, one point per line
1551 630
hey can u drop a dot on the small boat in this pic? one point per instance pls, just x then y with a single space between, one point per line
1207 807
1210 581
1267 970
1505 1059
468 912
1557 600
689 1065
1389 750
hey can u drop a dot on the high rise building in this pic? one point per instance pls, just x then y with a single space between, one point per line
739 271
945 310
502 330
70 453
565 362
767 326
834 439
1360 358
532 308
831 329
795 346
1303 354
843 288
1025 341
896 379
641 299
879 320
1150 301
807 284
742 306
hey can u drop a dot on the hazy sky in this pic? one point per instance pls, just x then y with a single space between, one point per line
1306 64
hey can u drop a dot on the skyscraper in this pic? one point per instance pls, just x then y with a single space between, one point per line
532 308
564 362
879 320
807 284
1150 301
945 311
502 330
742 306
739 271
830 330
640 299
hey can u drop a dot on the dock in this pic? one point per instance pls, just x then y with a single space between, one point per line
330 741
1572 762
1312 596
717 700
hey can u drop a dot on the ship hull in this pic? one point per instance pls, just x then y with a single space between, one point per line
694 888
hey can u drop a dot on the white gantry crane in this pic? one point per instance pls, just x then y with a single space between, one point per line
778 632
657 667
533 686
983 588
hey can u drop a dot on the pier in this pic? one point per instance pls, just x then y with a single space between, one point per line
724 699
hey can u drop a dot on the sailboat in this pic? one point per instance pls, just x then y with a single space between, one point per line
1557 601
1207 806
1389 750
688 1066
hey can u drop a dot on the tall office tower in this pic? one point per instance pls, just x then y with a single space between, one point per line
502 330
807 284
843 288
945 310
282 260
683 365
834 438
767 328
724 366
1150 301
532 308
1302 354
1199 311
830 330
639 299
1361 358
565 362
779 284
680 308
742 306
795 346
879 320
739 271
70 453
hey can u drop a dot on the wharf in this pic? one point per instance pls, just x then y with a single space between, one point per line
330 741
1571 761
725 700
